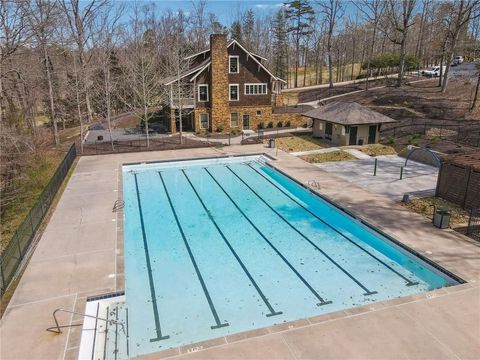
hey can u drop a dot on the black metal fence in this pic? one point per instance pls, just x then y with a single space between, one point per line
154 144
18 246
462 133
473 229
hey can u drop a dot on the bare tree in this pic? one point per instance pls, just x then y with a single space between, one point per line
142 69
399 14
80 17
372 11
462 12
333 10
42 18
106 37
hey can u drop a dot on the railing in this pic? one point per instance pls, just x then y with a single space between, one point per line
17 248
473 229
467 133
57 328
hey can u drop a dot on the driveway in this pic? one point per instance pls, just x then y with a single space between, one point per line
418 179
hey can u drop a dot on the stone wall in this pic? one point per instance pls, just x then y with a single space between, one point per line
220 114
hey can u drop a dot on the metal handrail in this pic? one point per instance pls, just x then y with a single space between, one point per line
56 329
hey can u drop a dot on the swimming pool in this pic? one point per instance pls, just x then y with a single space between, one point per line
216 247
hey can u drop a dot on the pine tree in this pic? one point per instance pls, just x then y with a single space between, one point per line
236 31
280 43
249 30
301 15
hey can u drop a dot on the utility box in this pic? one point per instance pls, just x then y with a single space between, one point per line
271 143
441 218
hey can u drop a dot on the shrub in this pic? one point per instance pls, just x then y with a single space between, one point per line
270 125
235 132
390 140
261 125
288 124
219 128
280 124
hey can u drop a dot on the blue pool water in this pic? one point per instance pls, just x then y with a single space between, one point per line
216 247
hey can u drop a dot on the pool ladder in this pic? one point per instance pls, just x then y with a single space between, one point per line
118 205
57 328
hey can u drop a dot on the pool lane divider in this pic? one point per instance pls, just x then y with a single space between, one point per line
149 270
409 282
254 283
305 282
218 324
356 281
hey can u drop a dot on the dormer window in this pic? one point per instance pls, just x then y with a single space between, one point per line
233 64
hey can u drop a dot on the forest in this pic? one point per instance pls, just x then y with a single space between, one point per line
65 64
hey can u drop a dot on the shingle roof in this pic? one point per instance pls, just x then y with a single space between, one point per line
468 160
169 80
347 113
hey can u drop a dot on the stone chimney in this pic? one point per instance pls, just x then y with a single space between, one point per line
219 82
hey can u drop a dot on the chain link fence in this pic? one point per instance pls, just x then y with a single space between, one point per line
18 246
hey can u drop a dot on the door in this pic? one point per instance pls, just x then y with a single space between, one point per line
372 134
353 135
246 121
328 130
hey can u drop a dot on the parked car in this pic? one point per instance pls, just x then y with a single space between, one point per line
457 60
434 71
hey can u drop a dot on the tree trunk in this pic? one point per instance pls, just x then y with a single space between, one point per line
474 102
50 95
330 65
106 71
79 110
401 68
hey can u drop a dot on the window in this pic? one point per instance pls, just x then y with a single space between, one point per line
233 94
233 119
204 121
233 64
203 92
255 89
259 112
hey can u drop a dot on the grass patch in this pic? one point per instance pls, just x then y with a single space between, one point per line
295 143
424 206
377 149
40 170
338 155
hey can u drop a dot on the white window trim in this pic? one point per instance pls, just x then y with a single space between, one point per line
257 114
238 119
257 84
198 88
229 92
238 64
208 120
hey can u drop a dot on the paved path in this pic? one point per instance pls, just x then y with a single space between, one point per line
312 152
357 153
418 178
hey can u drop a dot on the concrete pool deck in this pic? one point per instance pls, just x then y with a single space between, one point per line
81 254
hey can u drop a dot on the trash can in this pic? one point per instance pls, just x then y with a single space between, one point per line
271 143
441 218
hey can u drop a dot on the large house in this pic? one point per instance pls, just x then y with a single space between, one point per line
229 88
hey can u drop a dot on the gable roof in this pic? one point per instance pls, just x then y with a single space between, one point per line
348 113
197 70
230 43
